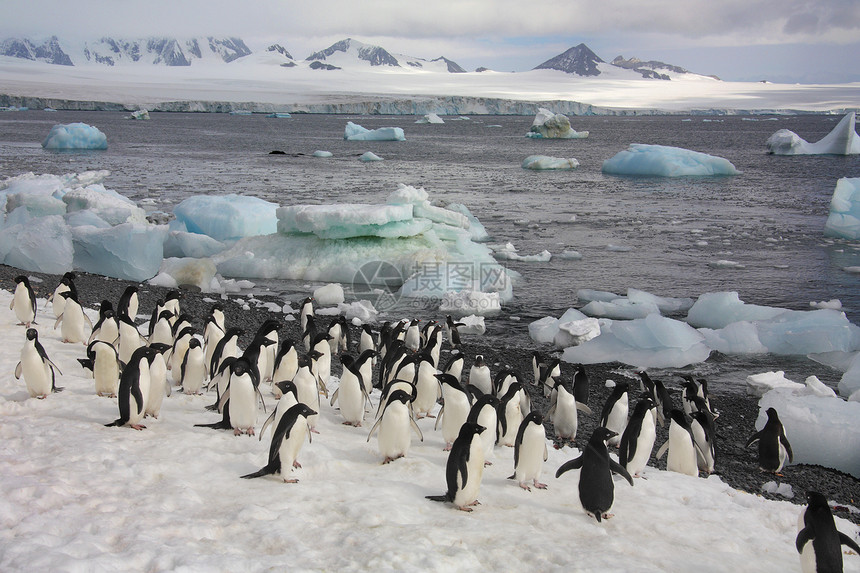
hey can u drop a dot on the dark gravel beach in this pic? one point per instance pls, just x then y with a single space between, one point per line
735 465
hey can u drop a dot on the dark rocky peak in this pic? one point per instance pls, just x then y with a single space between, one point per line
579 60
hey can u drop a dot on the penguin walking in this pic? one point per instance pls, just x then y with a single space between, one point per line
455 409
637 442
564 412
287 441
67 283
614 414
395 426
24 302
351 395
480 377
134 389
37 369
683 451
192 371
103 360
464 468
74 321
773 446
596 488
485 412
818 542
530 452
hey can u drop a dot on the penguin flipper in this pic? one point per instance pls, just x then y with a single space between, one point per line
225 397
573 464
439 417
617 468
584 408
334 397
753 439
58 321
416 428
86 363
268 421
663 449
551 411
784 441
54 366
18 369
260 395
374 428
804 536
848 542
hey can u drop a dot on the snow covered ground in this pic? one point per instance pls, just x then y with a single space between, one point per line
78 496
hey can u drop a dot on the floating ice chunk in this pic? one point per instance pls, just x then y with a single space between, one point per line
131 251
359 312
106 203
472 324
369 156
471 302
719 309
725 264
430 118
620 309
355 132
586 295
141 114
844 218
842 140
509 253
75 136
808 332
575 331
351 220
323 154
329 295
666 305
476 229
182 244
650 342
834 303
761 384
821 430
42 244
849 384
737 338
279 115
546 163
543 330
548 125
665 161
227 217
186 271
571 255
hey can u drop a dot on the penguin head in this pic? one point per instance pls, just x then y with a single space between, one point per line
534 417
194 343
772 416
816 500
32 334
69 295
269 326
469 429
602 434
479 360
287 387
678 417
400 396
22 279
303 409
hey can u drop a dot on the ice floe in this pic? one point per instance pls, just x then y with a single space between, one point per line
664 161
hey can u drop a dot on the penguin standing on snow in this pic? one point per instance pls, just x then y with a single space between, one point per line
37 368
818 541
456 404
485 412
479 376
73 321
287 441
682 448
563 412
351 396
103 360
24 302
395 425
192 371
614 414
67 283
134 389
427 387
773 446
464 468
530 452
129 302
596 488
637 442
106 327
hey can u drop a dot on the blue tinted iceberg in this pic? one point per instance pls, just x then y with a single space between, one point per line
548 125
844 218
109 205
355 132
131 251
180 244
842 140
41 244
546 163
665 161
227 217
369 157
719 309
75 136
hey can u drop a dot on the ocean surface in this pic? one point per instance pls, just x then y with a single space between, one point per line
665 236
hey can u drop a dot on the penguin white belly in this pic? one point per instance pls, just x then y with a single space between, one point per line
350 399
682 454
106 372
195 371
807 559
455 415
783 456
644 444
565 419
467 493
157 385
513 419
532 452
308 394
108 331
58 303
394 436
290 447
617 420
489 419
287 368
243 404
22 305
323 363
481 379
129 341
36 372
176 357
161 333
427 392
73 323
286 402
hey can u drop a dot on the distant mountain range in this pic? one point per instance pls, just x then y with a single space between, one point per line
166 51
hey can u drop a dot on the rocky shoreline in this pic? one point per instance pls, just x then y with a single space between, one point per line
735 464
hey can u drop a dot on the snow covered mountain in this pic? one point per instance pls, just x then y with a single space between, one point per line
580 60
346 53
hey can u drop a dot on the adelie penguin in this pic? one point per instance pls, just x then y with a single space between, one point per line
563 412
456 404
37 369
614 414
530 452
596 488
818 542
67 283
134 389
395 426
24 302
103 360
684 453
773 446
464 468
73 322
637 442
287 440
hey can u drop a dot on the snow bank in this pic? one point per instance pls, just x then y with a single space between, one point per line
665 161
844 218
75 136
842 140
355 132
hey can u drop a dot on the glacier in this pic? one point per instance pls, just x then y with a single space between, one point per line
71 136
664 161
843 220
842 140
355 132
548 125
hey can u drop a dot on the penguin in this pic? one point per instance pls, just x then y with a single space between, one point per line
638 438
365 341
530 452
464 468
485 412
389 389
428 389
510 415
596 488
307 386
394 427
580 385
129 302
286 362
564 412
242 391
306 311
38 370
412 335
310 332
452 332
818 542
103 360
213 330
73 321
454 366
129 339
257 354
480 377
704 434
701 386
158 385
773 445
24 302
227 347
456 404
322 364
134 389
549 374
216 316
364 365
537 362
433 343
171 303
351 395
287 441
503 380
192 371
288 399
160 329
614 414
106 327
177 353
659 395
67 283
336 331
268 331
682 449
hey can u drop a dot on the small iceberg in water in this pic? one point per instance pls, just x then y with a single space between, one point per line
665 161
843 140
548 125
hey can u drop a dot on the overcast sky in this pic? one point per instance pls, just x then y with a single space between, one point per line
779 40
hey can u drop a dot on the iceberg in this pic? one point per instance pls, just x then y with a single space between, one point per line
42 244
369 156
842 140
347 221
75 136
181 244
176 272
131 251
141 114
719 309
546 163
571 329
109 205
844 218
430 118
548 125
849 384
226 217
322 154
469 302
329 295
355 132
665 161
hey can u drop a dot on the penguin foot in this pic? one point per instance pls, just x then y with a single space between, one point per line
608 515
291 480
539 485
486 463
314 430
466 509
297 465
447 447
525 486
137 427
430 416
41 397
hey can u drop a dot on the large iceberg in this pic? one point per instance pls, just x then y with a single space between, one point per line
355 132
548 125
665 161
844 218
226 217
842 140
75 136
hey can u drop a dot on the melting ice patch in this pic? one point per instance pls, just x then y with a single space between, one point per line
355 132
842 140
844 218
665 161
546 163
75 136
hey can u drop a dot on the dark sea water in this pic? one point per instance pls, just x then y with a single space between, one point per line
665 234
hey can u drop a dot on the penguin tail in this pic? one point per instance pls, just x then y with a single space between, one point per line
441 498
220 425
117 422
265 471
212 407
58 389
514 476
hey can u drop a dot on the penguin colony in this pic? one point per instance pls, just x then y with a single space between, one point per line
480 413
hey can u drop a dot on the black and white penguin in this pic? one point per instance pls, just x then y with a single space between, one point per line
596 488
773 446
239 400
160 328
530 452
818 542
510 415
480 377
106 327
177 352
129 302
192 371
395 426
454 365
464 468
452 333
286 363
564 412
364 365
306 311
75 325
580 385
537 362
24 302
637 442
682 448
614 414
704 434
287 441
456 404
366 341
214 329
67 283
227 347
350 396
103 360
159 385
412 335
134 389
288 399
37 369
129 339
322 364
268 332
549 375
428 389
485 412
307 386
